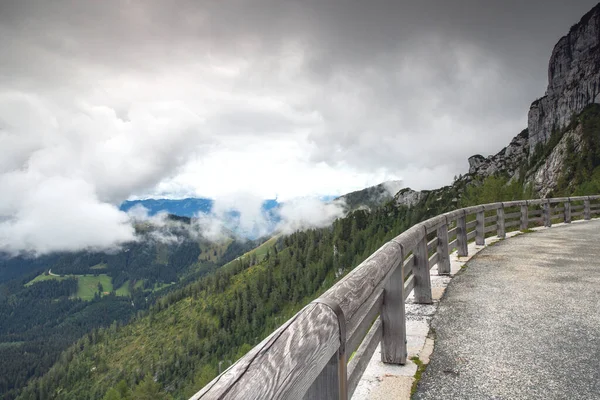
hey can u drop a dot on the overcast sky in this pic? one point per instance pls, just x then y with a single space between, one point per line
101 101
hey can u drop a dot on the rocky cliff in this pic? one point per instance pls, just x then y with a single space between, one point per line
573 79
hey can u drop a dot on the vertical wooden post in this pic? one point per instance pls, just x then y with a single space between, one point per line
393 320
326 386
461 236
480 229
568 211
524 216
443 263
547 215
421 272
586 210
500 229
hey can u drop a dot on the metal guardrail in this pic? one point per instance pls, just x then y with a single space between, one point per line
306 358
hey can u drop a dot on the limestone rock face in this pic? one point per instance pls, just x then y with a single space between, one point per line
508 160
545 177
408 197
573 79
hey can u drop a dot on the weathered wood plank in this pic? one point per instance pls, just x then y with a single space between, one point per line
433 260
535 213
491 219
421 273
361 284
277 367
490 228
586 210
558 200
364 320
524 217
491 206
546 215
461 236
577 214
500 218
452 245
393 340
512 215
510 224
567 212
480 229
516 203
327 385
452 233
432 224
408 265
410 238
442 251
471 225
409 286
360 361
432 244
471 235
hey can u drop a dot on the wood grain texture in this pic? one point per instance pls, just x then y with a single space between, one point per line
452 233
363 283
409 286
516 203
567 212
510 224
490 228
524 217
433 260
480 229
546 215
558 200
453 244
491 219
442 251
500 223
393 340
432 224
512 215
360 361
410 238
421 273
461 237
285 364
432 245
491 206
586 210
327 385
363 321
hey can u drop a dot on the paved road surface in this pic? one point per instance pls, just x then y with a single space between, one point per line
522 321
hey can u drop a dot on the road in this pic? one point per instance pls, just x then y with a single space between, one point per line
521 321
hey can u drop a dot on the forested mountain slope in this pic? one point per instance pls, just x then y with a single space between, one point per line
57 299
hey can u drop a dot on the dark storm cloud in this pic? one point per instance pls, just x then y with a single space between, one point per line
108 99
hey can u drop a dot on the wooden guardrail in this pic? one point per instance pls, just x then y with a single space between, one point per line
306 358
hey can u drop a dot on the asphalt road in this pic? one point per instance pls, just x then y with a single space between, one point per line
522 321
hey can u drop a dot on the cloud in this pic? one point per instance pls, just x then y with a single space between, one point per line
114 99
64 172
308 213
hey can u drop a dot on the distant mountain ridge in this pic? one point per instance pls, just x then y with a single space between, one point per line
188 207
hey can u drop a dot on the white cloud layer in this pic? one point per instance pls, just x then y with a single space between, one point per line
103 101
